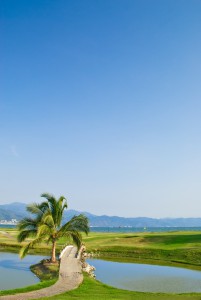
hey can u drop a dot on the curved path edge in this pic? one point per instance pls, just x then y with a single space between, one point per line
70 277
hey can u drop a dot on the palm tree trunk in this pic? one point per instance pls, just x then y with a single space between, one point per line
53 258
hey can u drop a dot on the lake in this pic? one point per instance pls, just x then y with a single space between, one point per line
147 278
15 273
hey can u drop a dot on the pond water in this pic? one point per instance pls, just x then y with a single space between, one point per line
15 273
147 278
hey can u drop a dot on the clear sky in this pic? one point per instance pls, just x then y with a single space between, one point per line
101 101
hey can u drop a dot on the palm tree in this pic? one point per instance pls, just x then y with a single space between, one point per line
47 225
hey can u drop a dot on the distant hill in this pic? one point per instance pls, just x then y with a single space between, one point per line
14 210
18 211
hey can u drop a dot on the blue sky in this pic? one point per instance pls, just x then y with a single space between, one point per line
101 101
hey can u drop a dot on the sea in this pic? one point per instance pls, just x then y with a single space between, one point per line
143 229
130 229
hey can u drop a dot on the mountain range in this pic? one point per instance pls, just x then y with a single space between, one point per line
17 211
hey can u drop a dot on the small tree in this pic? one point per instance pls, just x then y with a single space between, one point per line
47 225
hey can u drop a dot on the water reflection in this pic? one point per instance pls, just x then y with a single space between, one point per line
12 264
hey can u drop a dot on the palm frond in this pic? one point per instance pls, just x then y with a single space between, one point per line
79 223
24 250
48 220
61 200
47 196
52 203
46 225
76 224
34 208
75 236
62 204
37 209
23 235
44 230
27 223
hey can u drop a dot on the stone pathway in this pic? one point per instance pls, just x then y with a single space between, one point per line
70 277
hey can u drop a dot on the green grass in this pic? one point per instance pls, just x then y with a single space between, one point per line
45 271
30 288
166 241
164 248
171 248
94 290
161 248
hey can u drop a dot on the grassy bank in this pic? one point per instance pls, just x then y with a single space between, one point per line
9 243
45 271
38 286
161 248
171 248
95 290
92 289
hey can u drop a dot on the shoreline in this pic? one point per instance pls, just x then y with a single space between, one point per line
115 247
70 277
